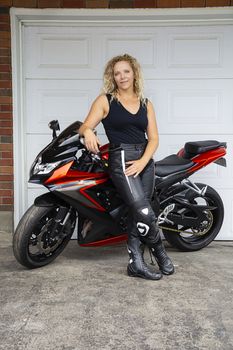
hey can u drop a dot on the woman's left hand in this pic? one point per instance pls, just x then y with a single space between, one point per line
135 167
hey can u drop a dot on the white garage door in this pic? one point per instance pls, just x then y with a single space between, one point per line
188 76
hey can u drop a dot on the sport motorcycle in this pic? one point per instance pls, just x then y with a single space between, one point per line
82 197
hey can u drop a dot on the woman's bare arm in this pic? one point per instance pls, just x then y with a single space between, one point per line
97 111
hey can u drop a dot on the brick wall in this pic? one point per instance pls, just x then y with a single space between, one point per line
6 142
6 156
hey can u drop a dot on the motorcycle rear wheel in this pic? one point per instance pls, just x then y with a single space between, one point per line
198 240
32 244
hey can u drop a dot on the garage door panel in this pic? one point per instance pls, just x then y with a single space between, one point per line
66 52
33 193
66 101
198 52
188 77
134 44
226 232
192 106
81 52
183 50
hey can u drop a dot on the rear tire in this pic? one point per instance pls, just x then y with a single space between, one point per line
32 245
197 242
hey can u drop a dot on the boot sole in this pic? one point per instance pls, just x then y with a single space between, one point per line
163 271
133 274
167 273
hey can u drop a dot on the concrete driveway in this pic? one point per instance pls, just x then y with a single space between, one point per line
84 300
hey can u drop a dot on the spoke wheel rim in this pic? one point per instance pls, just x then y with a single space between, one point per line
41 246
196 235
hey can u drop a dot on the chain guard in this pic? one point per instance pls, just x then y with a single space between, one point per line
193 233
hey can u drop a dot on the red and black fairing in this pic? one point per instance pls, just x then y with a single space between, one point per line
80 179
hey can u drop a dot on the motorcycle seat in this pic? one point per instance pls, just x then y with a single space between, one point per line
196 147
171 164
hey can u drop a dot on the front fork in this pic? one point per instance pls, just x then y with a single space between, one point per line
59 221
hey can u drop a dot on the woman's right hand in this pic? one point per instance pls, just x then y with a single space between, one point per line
91 141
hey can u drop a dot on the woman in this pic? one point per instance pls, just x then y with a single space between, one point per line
127 118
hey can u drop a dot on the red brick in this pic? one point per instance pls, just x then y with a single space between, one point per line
4 18
168 3
115 4
192 3
5 60
7 200
5 131
6 193
6 162
5 108
5 52
73 3
49 3
25 3
6 147
6 177
6 207
5 76
5 67
5 27
6 155
5 99
6 185
6 139
5 92
217 3
5 35
5 43
6 3
5 84
97 3
4 170
6 123
5 116
144 3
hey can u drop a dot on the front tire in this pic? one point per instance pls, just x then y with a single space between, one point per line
33 246
198 240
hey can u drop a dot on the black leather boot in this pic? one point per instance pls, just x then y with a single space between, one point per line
165 264
137 266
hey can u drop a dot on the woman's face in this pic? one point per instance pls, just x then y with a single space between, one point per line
123 75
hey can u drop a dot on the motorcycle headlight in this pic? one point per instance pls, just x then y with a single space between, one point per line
38 168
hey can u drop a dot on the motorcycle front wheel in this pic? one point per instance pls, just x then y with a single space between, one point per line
35 242
189 239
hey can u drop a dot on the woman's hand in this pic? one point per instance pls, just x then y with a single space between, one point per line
135 168
91 141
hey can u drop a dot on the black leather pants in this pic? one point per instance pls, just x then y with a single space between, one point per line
135 191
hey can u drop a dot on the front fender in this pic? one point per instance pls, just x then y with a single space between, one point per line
49 200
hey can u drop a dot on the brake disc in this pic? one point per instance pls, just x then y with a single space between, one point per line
40 240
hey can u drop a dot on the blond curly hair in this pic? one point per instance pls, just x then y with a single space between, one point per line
109 84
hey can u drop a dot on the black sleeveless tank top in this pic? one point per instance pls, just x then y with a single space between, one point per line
121 126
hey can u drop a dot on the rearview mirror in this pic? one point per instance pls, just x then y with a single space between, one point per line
54 125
